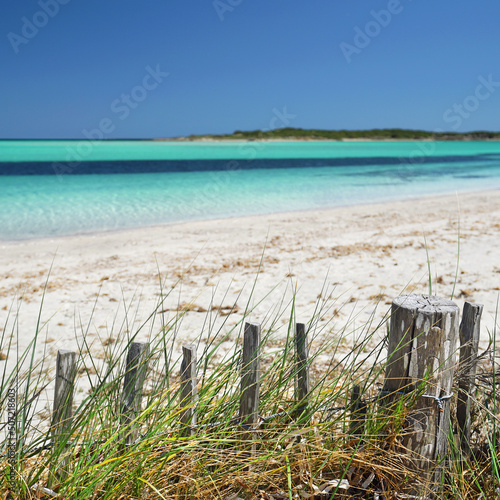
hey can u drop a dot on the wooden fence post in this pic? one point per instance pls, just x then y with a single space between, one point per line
188 389
135 375
469 345
421 354
250 375
302 352
357 410
62 414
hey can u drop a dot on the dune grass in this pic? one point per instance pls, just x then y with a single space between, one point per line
299 453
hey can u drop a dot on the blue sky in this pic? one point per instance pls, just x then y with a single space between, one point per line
163 68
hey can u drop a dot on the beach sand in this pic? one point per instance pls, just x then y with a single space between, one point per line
355 258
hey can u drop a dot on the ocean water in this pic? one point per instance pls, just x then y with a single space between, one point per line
54 188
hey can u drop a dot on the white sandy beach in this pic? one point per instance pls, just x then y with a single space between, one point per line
364 255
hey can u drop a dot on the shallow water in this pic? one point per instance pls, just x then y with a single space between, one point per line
126 185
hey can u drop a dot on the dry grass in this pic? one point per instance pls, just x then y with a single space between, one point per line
309 453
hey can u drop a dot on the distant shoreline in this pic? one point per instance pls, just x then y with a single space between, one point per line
312 139
300 134
237 139
290 134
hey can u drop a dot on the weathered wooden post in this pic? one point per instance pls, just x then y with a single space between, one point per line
302 353
188 389
250 379
469 345
62 414
135 375
357 410
421 361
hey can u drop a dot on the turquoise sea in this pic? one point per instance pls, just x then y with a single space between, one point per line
53 188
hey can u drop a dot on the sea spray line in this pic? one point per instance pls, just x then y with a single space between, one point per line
121 107
40 19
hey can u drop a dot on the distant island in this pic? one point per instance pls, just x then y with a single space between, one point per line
301 134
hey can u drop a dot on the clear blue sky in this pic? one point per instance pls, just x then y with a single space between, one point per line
246 64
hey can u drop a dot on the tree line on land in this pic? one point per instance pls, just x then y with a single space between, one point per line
338 135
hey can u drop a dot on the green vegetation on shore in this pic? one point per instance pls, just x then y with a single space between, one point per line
300 451
288 133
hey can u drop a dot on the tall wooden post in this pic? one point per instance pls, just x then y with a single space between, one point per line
421 361
357 410
62 414
250 378
135 375
188 389
302 353
469 345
